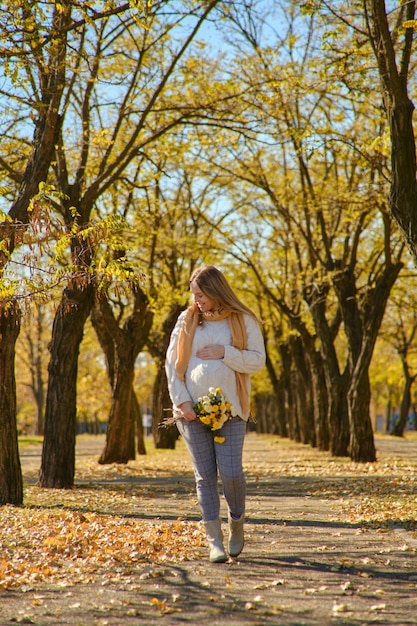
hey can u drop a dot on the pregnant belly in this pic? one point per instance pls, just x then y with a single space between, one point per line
205 375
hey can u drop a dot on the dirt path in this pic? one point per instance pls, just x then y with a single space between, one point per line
304 563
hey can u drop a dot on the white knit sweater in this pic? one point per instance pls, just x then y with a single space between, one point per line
203 374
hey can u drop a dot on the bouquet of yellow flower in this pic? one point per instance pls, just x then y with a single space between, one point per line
213 410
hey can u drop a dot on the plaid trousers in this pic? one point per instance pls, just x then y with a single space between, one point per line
210 459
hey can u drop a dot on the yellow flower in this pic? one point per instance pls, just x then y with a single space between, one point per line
219 439
213 410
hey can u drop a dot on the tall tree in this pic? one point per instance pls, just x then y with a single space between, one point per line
177 236
22 35
319 201
122 340
399 332
137 114
11 483
389 32
31 356
391 35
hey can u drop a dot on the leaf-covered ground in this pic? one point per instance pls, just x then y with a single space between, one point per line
123 524
381 494
95 529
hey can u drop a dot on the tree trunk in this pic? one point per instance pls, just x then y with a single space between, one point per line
303 393
58 454
287 384
161 407
413 407
121 347
388 416
312 385
120 437
279 426
320 400
161 401
296 430
362 330
47 126
336 383
361 447
274 420
399 427
137 418
399 111
11 484
361 440
337 387
267 414
38 382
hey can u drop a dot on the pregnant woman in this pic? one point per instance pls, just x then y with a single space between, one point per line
216 344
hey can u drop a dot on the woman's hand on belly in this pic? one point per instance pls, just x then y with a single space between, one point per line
187 409
210 352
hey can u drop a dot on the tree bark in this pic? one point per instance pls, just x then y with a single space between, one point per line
337 387
303 394
161 406
11 483
268 414
361 439
137 418
36 369
388 416
399 110
120 436
362 336
36 171
287 384
274 419
58 453
320 399
399 427
414 409
122 346
336 382
361 446
161 402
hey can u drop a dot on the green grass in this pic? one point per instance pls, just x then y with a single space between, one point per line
29 441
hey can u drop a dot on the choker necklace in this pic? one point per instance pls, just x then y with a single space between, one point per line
216 314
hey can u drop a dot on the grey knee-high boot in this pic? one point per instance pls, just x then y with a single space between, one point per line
236 535
215 538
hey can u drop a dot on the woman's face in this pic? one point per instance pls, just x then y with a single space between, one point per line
203 302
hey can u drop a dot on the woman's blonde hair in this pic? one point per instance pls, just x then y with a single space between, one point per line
213 284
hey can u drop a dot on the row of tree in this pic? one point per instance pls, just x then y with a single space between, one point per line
269 152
